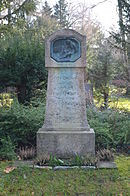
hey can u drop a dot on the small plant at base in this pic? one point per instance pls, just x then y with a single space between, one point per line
105 155
41 160
77 160
90 161
27 153
80 161
54 161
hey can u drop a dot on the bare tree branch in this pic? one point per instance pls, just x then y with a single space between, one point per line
95 5
15 11
115 45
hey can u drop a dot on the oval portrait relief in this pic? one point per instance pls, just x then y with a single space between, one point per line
65 49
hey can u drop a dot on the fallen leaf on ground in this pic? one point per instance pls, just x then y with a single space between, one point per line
7 170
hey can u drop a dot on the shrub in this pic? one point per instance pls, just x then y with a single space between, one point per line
22 62
111 127
7 150
21 123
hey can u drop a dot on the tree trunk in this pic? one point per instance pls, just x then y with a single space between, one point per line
125 52
21 90
9 14
128 91
105 95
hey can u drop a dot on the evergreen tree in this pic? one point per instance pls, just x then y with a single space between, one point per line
102 71
124 38
45 21
16 9
122 41
61 13
46 9
22 62
124 7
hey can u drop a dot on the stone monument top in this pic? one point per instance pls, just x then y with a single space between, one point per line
67 48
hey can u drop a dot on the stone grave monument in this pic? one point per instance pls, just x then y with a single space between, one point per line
65 132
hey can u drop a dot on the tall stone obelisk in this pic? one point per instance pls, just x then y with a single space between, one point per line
65 132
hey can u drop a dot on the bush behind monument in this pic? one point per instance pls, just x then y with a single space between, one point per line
20 123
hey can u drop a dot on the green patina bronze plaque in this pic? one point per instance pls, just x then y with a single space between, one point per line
66 49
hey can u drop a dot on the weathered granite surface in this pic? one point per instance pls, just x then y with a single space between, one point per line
106 165
66 106
66 143
65 131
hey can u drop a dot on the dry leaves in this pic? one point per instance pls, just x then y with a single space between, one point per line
7 170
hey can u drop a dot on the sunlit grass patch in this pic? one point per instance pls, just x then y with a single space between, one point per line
121 103
5 100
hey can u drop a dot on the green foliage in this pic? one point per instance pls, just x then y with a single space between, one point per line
46 9
61 13
22 62
102 71
111 127
82 161
100 125
7 149
122 39
46 22
124 8
41 160
16 9
77 160
54 161
21 123
49 160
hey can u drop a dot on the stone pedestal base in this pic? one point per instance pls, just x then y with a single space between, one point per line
65 144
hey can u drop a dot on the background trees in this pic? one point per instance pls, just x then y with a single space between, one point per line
61 13
123 40
102 72
13 10
22 63
23 29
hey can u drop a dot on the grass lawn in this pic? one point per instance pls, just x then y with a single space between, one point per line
122 103
27 181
